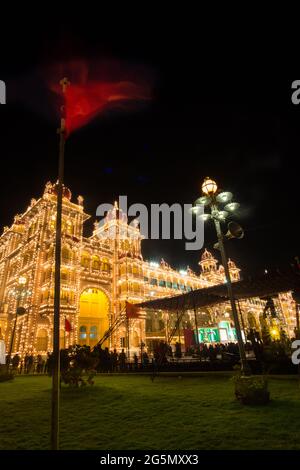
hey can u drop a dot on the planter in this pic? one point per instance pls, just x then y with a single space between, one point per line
256 398
4 375
252 390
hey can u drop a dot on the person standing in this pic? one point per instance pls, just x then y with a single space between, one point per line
136 362
39 365
15 362
26 359
114 360
29 364
122 361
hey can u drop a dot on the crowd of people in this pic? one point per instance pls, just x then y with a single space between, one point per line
217 351
108 361
30 364
162 353
112 361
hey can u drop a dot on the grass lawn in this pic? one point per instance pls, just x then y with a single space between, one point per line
131 412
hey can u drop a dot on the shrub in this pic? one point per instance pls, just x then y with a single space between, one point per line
4 375
77 365
252 390
74 377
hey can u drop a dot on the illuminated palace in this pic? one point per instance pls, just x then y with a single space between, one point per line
98 274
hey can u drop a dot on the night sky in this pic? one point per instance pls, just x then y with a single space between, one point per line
236 127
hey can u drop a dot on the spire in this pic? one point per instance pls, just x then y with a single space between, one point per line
208 263
234 270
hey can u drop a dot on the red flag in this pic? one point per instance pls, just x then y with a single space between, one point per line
95 86
84 102
132 311
68 326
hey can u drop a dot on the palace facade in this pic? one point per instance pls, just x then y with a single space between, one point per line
98 274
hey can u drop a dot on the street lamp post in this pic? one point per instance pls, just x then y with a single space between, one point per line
19 291
213 199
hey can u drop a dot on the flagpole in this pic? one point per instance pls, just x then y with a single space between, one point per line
196 320
128 339
65 333
56 317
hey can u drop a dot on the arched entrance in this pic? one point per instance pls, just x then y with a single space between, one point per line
42 340
93 316
252 320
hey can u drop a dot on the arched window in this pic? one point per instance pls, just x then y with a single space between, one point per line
85 260
93 332
50 253
53 222
66 254
135 270
47 275
42 340
63 295
251 320
95 263
135 342
32 229
149 326
45 296
123 269
13 270
27 258
105 265
69 227
136 287
82 332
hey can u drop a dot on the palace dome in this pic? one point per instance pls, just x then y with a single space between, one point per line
206 255
231 264
52 189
